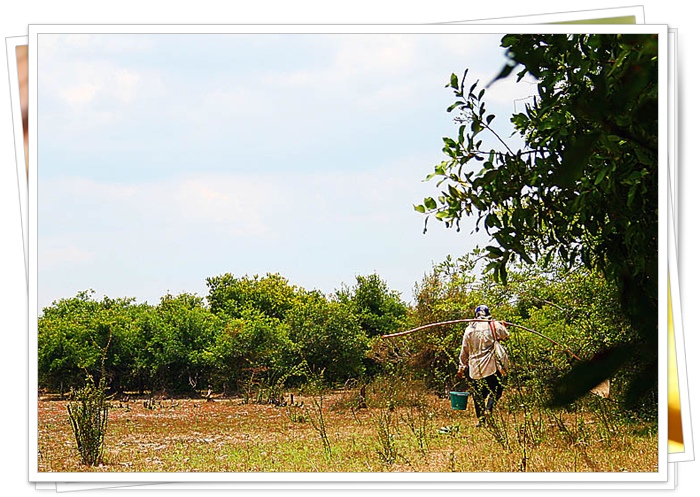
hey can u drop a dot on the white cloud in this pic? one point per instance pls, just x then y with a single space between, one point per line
104 83
52 44
125 84
239 206
84 88
91 190
79 94
356 59
233 205
83 43
57 252
369 72
377 54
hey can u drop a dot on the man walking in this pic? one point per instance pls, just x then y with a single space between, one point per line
487 360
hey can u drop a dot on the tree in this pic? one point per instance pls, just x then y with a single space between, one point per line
272 295
65 349
80 335
176 335
328 337
252 347
584 187
379 310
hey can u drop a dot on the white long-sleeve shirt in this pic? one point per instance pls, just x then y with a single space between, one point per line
478 351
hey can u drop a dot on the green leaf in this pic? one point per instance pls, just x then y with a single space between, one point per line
601 176
454 106
503 274
454 193
460 133
631 194
454 82
441 215
505 72
494 252
449 142
574 159
492 221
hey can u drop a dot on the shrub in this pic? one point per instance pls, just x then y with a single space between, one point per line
88 417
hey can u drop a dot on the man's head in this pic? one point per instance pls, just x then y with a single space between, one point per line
482 311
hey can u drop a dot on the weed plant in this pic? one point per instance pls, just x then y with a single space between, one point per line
317 390
385 430
88 415
418 418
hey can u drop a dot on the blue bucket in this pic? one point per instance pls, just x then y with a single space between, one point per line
458 400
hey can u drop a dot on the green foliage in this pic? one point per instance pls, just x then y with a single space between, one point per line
150 347
254 348
446 292
584 188
379 310
576 307
64 347
272 295
251 338
451 291
73 333
88 414
181 346
328 337
176 335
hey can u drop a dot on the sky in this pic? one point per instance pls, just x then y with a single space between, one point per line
166 159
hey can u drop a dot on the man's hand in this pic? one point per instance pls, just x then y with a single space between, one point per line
503 323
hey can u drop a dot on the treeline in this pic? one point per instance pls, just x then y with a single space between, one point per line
251 333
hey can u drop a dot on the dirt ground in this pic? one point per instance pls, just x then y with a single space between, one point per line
228 435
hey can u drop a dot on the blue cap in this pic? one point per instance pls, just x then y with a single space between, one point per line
482 309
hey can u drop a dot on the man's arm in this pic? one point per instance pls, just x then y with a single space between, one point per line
502 332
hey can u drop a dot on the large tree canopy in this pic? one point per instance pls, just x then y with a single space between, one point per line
584 187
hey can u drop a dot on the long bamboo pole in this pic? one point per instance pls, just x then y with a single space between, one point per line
456 321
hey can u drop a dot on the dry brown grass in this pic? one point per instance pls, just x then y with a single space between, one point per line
229 436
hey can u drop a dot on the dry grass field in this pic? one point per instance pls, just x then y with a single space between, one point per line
330 434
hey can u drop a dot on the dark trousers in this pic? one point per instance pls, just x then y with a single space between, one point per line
486 391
